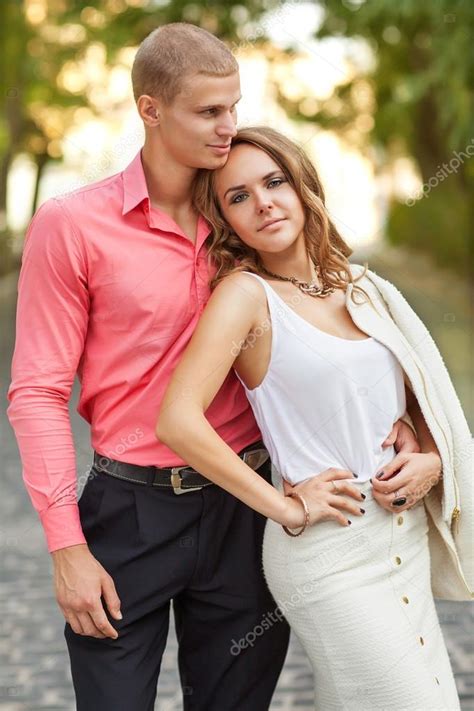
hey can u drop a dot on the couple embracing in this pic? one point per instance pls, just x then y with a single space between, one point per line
301 455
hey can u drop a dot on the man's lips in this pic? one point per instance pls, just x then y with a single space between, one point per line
220 150
271 222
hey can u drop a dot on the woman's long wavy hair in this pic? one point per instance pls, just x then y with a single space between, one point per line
323 242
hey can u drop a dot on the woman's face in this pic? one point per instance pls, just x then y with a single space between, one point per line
257 201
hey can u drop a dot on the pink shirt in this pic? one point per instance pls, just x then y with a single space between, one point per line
112 289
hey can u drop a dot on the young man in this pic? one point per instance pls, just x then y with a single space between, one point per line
113 281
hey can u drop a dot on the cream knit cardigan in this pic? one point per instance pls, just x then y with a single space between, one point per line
449 505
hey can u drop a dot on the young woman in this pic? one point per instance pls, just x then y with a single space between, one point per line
327 371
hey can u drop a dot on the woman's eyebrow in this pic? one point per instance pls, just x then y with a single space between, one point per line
241 187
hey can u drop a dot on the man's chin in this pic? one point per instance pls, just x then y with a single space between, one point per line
213 162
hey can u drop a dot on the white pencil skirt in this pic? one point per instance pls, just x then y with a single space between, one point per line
359 599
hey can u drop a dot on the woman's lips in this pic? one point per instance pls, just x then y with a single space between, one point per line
274 223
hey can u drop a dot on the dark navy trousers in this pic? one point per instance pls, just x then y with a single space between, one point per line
202 551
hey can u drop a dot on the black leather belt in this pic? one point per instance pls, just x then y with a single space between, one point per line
182 479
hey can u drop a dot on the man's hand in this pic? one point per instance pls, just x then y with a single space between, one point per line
403 438
80 581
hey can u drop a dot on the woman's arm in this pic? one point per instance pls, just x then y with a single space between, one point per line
227 319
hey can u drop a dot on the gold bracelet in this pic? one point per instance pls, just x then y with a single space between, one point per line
306 515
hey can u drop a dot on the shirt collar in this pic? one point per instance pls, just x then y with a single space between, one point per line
135 192
135 189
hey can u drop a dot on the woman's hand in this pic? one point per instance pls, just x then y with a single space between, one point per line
407 479
325 497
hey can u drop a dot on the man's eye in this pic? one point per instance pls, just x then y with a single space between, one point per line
209 112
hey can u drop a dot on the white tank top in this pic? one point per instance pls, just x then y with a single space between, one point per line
325 401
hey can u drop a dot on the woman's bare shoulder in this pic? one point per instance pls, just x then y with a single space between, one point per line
241 285
242 292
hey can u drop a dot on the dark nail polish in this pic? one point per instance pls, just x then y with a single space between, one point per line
400 502
379 475
363 496
362 510
349 522
370 481
356 475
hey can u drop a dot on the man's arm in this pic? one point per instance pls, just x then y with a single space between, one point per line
52 317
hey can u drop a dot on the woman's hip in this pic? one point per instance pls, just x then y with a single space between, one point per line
360 600
377 546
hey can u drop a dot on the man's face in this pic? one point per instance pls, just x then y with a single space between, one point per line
198 126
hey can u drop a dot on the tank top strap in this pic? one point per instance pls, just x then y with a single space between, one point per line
279 315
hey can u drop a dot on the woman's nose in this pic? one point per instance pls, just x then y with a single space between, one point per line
264 206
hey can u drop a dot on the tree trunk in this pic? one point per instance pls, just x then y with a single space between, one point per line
5 164
40 159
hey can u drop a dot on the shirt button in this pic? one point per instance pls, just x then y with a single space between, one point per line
400 520
398 560
405 600
422 641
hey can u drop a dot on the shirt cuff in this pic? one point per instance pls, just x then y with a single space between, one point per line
62 526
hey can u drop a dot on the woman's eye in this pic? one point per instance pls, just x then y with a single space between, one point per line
275 182
236 198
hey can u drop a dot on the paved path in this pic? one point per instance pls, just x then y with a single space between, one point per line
34 672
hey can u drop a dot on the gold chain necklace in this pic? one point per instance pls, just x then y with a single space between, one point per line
311 289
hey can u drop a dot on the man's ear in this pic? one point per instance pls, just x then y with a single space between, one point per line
149 110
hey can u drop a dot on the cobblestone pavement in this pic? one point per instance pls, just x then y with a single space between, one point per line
34 670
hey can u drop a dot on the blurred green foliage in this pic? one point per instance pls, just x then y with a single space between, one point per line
437 224
35 48
419 89
420 92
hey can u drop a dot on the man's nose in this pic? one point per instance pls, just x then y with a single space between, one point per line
227 127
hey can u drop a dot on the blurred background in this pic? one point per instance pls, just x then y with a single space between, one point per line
379 93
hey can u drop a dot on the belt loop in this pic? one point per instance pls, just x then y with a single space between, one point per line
150 477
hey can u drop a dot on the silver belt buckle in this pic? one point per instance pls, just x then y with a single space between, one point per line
176 481
255 458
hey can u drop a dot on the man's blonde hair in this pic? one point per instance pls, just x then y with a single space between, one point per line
174 52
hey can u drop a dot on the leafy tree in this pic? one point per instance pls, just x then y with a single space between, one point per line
419 90
39 39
